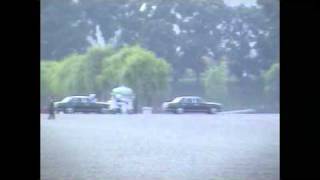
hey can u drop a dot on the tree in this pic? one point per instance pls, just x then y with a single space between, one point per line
189 74
67 77
215 82
139 69
113 68
272 82
64 28
92 61
270 6
46 70
101 69
148 76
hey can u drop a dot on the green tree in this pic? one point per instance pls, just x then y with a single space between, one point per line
67 77
139 69
148 76
272 82
215 82
92 62
112 69
74 74
101 69
46 70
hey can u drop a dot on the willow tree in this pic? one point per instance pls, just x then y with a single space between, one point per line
148 76
46 71
139 69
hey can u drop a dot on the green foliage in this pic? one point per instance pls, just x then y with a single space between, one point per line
148 76
47 68
215 82
66 78
92 63
66 26
272 80
137 68
101 69
113 68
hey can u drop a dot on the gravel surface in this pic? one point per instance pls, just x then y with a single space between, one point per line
160 146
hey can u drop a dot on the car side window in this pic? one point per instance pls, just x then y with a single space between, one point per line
183 100
75 100
189 100
84 100
193 100
196 100
200 100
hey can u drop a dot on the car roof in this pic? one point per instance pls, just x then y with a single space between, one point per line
78 96
188 97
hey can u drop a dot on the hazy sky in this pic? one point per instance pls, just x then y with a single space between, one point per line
238 2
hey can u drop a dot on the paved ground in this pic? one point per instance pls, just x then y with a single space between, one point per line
160 146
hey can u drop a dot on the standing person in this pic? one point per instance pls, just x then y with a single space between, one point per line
51 109
118 103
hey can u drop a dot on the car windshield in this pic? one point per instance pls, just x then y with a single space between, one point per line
67 99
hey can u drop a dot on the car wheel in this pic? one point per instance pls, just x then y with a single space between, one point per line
103 110
213 110
179 110
69 110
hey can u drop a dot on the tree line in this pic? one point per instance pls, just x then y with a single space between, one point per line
99 70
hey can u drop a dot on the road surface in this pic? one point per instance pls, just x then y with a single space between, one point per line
160 147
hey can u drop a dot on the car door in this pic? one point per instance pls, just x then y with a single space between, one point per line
85 105
196 105
188 104
182 103
93 106
202 106
74 103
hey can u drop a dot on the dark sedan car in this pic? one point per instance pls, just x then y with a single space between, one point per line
191 104
73 104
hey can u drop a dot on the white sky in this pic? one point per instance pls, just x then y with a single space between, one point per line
238 2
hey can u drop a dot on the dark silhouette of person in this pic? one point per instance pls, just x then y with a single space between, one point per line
119 106
51 109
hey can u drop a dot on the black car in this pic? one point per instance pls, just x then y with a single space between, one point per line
191 104
85 104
